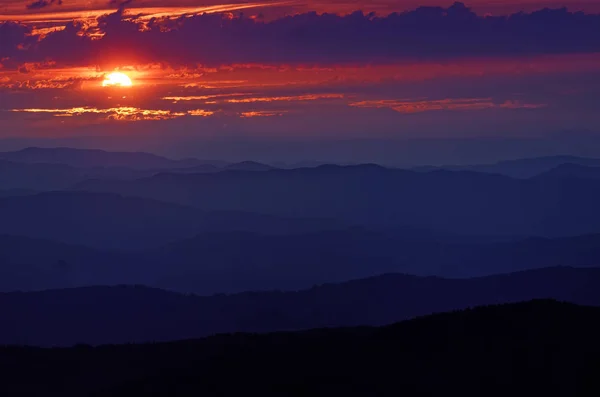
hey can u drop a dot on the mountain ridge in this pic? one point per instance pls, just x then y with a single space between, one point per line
442 201
99 315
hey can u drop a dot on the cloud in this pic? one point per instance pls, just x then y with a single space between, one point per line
130 113
43 84
432 33
13 36
125 113
261 113
449 104
36 5
119 3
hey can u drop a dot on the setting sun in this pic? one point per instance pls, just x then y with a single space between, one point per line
116 79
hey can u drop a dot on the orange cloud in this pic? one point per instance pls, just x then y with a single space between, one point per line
122 113
142 12
308 97
200 112
261 113
117 113
176 99
419 106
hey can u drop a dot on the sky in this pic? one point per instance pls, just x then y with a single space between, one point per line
395 82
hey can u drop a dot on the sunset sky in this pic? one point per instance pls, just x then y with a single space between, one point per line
404 82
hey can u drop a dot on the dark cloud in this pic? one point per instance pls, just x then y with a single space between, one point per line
24 69
36 5
119 3
13 36
310 38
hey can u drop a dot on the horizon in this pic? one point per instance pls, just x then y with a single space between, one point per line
299 163
437 153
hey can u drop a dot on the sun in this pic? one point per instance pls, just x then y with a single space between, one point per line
116 79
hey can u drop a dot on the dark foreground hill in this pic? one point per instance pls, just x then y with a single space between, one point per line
122 314
538 348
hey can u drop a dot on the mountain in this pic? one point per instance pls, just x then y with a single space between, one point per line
97 220
540 347
17 192
109 221
202 168
123 314
57 176
86 158
234 262
38 176
207 168
248 166
265 253
467 203
34 264
572 171
520 168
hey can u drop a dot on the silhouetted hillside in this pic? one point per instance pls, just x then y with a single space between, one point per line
520 168
85 158
443 201
536 348
110 221
133 314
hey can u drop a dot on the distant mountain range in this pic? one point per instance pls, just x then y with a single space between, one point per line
88 158
55 176
447 202
239 261
233 262
124 314
570 170
17 192
60 168
99 160
43 169
109 221
139 161
520 168
249 226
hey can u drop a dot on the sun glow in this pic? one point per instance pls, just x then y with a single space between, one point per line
116 79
